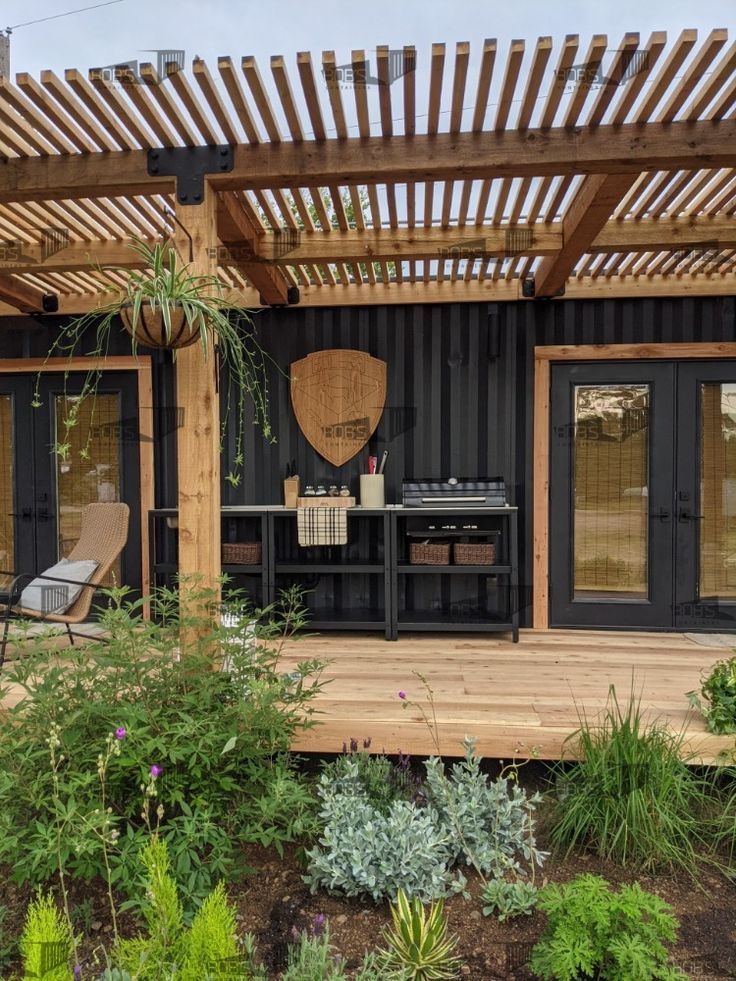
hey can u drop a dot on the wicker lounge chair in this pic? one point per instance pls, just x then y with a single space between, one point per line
103 535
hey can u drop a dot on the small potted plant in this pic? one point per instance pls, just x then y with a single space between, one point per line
164 305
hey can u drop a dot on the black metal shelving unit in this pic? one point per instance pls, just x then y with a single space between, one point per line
347 587
458 598
238 524
368 584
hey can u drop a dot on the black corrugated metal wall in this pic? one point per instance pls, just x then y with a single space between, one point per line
460 384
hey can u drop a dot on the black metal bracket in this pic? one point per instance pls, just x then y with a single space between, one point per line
189 165
529 290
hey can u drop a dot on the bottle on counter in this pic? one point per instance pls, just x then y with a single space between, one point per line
321 490
344 491
333 491
309 491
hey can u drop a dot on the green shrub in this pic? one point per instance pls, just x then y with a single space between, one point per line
631 798
593 932
367 849
210 946
373 968
201 852
363 851
508 899
311 957
382 780
8 942
719 697
166 949
488 823
46 944
417 943
226 774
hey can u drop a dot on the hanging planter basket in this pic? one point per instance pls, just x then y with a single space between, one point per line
150 329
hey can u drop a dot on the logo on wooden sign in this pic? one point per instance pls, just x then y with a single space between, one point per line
338 398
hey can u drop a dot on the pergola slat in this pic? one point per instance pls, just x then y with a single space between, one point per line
76 158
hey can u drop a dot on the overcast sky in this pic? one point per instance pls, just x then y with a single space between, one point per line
122 32
216 27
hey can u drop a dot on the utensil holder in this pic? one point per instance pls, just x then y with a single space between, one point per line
372 494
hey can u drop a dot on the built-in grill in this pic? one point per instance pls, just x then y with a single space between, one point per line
454 492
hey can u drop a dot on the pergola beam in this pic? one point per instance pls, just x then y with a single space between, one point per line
368 245
20 296
241 239
459 291
629 148
584 219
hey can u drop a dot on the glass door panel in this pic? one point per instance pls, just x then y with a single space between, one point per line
717 546
705 546
610 495
90 470
611 491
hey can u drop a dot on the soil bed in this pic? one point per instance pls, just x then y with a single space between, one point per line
274 900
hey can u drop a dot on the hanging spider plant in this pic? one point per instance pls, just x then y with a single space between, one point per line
165 305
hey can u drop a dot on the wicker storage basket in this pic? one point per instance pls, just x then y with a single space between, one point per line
474 553
241 553
429 553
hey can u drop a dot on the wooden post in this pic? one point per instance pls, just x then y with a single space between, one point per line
198 440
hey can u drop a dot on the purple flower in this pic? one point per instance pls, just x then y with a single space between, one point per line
353 745
402 695
319 924
120 732
77 971
156 770
367 743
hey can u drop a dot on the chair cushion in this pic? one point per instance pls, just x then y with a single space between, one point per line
48 596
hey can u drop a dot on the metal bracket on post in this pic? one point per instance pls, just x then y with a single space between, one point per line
528 290
190 165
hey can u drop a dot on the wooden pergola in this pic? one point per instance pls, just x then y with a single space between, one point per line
583 172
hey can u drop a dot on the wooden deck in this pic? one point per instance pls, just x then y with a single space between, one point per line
516 699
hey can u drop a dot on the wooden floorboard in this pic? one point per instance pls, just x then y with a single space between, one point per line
519 700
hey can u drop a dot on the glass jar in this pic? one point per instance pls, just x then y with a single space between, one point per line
309 491
344 491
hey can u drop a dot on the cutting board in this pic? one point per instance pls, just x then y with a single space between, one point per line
325 502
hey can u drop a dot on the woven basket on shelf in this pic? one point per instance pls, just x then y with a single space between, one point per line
241 553
429 553
474 553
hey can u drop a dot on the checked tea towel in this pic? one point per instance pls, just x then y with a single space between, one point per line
322 526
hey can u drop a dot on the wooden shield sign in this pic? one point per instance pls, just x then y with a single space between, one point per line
338 398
